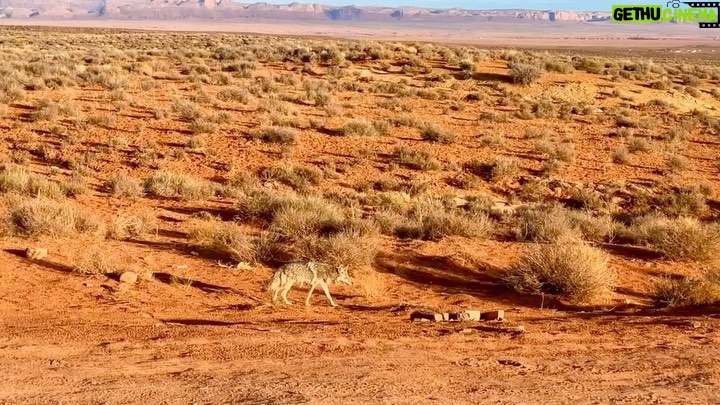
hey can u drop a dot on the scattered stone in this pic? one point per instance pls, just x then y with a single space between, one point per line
88 284
469 316
493 316
129 277
179 266
459 202
466 331
513 363
520 329
36 253
695 324
194 253
429 316
244 266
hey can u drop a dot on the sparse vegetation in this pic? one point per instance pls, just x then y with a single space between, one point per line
44 217
573 270
176 185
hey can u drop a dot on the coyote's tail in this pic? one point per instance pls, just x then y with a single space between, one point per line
275 282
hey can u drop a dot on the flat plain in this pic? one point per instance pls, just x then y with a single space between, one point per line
573 188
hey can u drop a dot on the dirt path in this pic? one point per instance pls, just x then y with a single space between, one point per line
375 357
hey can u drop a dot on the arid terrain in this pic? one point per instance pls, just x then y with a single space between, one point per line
169 174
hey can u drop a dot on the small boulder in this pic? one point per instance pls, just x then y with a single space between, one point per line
36 253
129 277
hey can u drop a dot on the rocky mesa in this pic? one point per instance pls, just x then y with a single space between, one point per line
227 9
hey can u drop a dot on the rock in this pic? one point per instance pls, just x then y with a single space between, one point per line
36 253
244 266
466 331
129 277
458 202
493 316
520 329
469 316
513 363
429 316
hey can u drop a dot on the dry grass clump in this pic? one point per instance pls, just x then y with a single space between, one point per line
524 73
416 159
686 291
429 219
432 133
97 262
132 225
359 127
553 223
500 168
17 179
227 238
276 134
176 185
573 270
678 239
543 224
123 185
45 217
296 176
310 227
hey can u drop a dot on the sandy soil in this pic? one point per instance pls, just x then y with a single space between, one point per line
69 339
541 35
202 333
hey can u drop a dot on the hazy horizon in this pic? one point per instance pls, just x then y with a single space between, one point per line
594 5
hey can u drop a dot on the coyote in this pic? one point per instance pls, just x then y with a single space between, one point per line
312 273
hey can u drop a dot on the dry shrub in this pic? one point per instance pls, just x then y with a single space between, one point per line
97 262
17 179
44 217
358 127
353 246
594 228
428 219
132 225
75 186
123 185
432 133
227 238
276 134
573 270
677 238
416 159
553 223
182 186
309 215
686 291
543 224
312 228
296 176
524 73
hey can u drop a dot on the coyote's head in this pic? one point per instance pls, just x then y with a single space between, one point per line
343 276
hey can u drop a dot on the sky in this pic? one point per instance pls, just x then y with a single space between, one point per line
577 5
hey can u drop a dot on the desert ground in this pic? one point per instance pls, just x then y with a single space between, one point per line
159 178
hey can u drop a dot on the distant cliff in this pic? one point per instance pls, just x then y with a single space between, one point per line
226 9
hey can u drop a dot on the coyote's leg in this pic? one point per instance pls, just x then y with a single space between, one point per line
275 294
312 288
287 288
324 286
